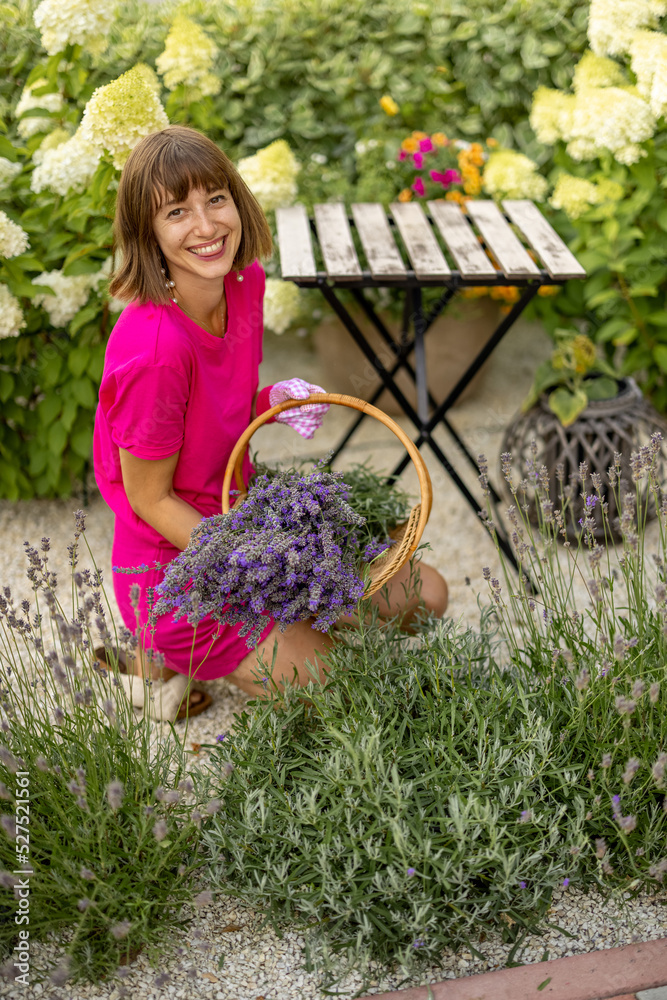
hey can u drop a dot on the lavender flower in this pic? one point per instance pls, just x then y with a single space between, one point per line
288 551
120 930
203 899
627 823
631 769
160 830
115 793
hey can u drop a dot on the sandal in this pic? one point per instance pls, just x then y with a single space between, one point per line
166 701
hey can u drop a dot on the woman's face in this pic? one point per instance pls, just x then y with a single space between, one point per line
199 237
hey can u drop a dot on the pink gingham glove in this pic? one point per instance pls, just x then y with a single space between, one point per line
305 420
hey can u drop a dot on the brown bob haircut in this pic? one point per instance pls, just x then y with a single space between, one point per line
165 165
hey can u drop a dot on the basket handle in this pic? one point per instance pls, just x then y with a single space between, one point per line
235 463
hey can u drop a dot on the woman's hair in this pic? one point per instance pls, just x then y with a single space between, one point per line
164 165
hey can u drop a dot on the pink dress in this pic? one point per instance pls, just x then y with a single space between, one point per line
168 386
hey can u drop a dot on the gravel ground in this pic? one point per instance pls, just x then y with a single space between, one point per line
256 963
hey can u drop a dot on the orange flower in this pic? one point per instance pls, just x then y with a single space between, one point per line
492 143
548 290
405 195
389 105
420 135
439 139
410 145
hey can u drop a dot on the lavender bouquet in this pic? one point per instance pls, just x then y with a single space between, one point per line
291 550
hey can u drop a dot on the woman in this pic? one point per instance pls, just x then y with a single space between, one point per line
180 385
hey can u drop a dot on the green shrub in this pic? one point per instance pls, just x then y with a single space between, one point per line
281 75
109 834
439 786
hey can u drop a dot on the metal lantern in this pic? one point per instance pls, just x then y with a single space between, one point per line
606 427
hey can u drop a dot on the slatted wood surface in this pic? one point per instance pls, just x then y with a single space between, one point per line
426 257
381 251
461 240
337 245
461 235
297 259
545 241
501 241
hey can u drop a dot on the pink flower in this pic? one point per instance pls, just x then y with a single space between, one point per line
452 177
418 187
426 146
438 176
402 155
418 160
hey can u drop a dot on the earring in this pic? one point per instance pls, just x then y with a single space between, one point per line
239 277
169 284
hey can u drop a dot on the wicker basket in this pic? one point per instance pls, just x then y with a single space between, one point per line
406 536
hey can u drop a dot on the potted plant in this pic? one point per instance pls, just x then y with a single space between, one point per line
583 416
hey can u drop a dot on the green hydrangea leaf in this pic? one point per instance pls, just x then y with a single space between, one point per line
567 405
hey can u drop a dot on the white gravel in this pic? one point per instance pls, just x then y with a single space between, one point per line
256 963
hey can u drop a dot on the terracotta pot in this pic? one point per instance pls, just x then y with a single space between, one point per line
452 342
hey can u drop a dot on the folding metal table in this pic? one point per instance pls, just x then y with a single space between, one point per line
484 248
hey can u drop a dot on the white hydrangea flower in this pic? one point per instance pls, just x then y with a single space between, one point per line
188 58
615 116
574 195
648 54
71 294
118 115
50 141
150 76
597 71
27 101
508 174
629 154
551 114
271 175
583 149
69 166
8 171
281 304
77 22
13 239
11 314
612 23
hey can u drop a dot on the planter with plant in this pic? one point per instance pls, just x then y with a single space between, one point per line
583 410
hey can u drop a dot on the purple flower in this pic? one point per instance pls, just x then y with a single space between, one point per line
566 882
220 737
410 872
522 885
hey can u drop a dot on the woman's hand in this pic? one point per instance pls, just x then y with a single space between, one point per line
305 420
150 493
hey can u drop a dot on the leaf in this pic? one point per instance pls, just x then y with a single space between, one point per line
81 442
626 337
661 217
659 317
6 386
48 409
83 392
567 405
601 388
660 356
611 328
543 985
77 360
57 439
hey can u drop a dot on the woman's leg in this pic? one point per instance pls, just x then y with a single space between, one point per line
416 586
282 654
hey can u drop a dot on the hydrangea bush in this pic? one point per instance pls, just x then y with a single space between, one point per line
610 171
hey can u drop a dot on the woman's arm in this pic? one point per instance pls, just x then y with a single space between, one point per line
150 492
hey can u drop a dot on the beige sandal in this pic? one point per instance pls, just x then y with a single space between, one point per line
168 700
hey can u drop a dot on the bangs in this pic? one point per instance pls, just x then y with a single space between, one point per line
176 172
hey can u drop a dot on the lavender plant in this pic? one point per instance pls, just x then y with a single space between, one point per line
111 838
291 550
444 785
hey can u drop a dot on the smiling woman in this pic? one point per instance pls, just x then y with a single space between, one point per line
180 386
